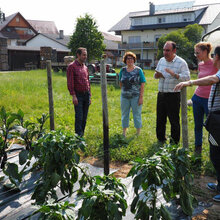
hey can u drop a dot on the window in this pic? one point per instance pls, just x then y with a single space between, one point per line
134 39
156 37
138 21
30 31
161 20
186 17
17 19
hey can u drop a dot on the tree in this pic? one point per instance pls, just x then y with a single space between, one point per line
185 39
87 35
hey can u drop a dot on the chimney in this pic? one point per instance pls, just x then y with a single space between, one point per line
152 8
3 16
61 34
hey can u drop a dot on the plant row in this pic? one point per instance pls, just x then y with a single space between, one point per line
56 156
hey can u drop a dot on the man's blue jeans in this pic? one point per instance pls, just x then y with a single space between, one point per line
81 112
200 108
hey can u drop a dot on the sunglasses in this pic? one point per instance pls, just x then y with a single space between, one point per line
196 53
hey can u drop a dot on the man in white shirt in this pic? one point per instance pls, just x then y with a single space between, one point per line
171 69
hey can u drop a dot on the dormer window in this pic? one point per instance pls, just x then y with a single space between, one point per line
138 21
161 20
186 17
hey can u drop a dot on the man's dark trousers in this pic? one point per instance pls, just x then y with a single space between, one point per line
81 112
168 105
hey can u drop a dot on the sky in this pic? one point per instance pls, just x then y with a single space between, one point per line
65 13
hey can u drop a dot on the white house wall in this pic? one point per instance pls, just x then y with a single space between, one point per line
146 35
215 24
12 42
42 41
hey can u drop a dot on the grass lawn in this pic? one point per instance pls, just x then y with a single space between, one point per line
28 91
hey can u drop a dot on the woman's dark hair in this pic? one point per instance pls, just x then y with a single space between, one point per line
80 50
204 46
129 54
217 51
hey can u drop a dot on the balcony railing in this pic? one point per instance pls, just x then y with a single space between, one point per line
143 45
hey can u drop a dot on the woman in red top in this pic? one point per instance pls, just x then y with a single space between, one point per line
201 95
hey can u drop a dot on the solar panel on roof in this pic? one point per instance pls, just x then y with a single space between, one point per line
174 6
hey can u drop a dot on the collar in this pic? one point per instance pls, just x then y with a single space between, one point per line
78 63
173 60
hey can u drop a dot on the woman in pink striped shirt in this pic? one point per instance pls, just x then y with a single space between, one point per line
201 95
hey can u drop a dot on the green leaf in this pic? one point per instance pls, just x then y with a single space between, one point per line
186 201
55 178
20 113
11 119
165 213
23 156
76 158
13 174
134 203
3 113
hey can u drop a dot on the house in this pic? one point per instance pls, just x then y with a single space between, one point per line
213 37
141 30
111 42
16 29
21 41
56 41
25 41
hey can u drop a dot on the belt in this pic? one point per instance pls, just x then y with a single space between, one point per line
82 92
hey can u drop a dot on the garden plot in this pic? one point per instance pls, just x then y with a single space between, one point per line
18 204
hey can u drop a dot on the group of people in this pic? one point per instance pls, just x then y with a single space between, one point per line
173 74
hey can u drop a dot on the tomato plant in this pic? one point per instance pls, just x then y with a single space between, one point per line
149 175
7 123
56 211
183 179
104 199
168 169
58 158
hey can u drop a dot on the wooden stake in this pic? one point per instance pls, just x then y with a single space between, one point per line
50 94
105 117
184 117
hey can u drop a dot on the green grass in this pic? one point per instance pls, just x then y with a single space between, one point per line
28 91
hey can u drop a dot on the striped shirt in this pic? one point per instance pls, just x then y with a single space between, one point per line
216 104
178 66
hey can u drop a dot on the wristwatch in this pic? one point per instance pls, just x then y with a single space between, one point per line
190 83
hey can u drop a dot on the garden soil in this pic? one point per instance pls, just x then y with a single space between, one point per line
203 195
